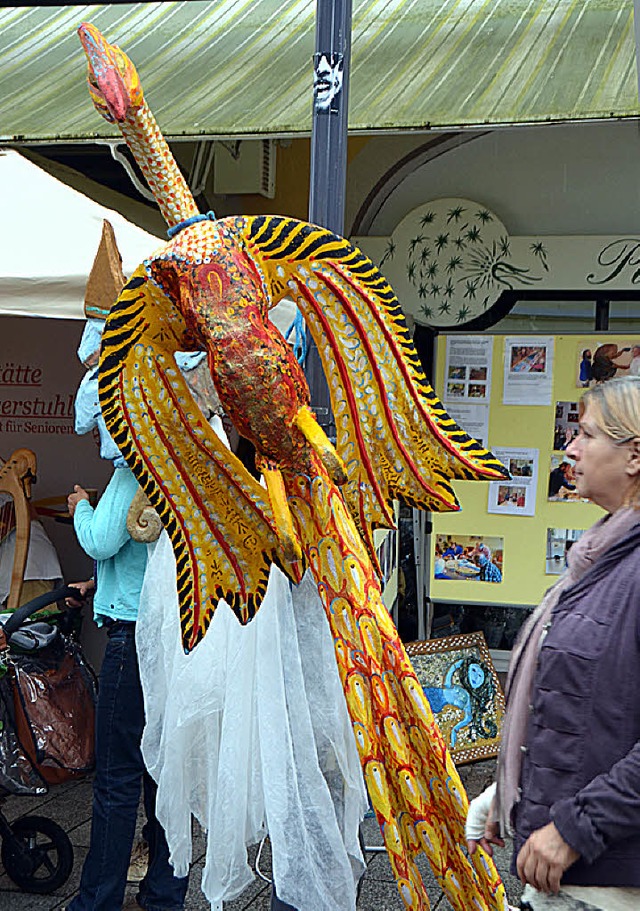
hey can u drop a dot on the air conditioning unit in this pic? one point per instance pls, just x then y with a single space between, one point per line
248 166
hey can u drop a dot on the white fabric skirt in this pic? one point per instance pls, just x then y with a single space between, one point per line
250 734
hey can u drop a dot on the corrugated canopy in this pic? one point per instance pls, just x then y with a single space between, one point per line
244 67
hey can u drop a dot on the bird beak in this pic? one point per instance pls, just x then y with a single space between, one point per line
105 77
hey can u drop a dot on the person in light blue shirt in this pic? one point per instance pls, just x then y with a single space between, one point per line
120 772
121 561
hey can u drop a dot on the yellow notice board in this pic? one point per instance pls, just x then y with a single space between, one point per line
526 556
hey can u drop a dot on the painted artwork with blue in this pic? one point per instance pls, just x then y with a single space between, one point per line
464 692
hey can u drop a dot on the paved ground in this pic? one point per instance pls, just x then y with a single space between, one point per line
70 806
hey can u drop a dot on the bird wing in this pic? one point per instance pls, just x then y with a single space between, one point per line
217 515
393 432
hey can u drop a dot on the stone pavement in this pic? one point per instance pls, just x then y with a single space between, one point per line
70 806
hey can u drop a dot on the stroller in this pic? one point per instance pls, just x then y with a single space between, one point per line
47 707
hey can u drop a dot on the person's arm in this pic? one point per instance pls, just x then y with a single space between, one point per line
102 532
454 667
604 811
482 828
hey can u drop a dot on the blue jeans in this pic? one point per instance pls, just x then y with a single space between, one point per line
120 775
277 904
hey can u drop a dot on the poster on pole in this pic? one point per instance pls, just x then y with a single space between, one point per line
516 497
528 370
468 369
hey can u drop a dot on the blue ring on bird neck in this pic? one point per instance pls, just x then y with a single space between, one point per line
209 216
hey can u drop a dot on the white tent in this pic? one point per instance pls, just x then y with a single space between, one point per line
49 235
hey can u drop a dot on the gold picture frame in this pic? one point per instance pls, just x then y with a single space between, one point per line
463 689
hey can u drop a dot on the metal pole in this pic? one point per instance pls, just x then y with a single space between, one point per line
602 314
328 156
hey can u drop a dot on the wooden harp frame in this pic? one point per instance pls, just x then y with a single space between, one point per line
16 477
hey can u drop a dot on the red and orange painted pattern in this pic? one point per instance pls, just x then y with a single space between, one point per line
413 784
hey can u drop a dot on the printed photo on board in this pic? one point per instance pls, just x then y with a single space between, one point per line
562 479
478 374
599 363
511 494
516 497
474 558
455 390
521 468
477 390
528 359
559 543
566 425
457 373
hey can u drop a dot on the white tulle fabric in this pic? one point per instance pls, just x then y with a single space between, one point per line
250 734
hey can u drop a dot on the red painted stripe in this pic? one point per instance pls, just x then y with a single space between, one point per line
346 383
374 367
165 440
409 380
213 528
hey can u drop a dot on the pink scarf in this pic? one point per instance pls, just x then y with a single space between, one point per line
524 659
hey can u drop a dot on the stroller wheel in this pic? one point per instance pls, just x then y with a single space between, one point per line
38 856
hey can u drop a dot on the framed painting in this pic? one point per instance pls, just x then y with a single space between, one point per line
462 686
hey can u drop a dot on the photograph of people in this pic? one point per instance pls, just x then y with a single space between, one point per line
562 484
566 425
584 373
568 773
477 390
600 363
521 468
468 557
508 494
608 360
528 359
478 373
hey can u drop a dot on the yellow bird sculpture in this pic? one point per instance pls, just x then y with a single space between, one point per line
211 288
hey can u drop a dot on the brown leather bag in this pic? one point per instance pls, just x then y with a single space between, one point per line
54 706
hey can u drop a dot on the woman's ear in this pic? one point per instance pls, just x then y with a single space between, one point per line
633 462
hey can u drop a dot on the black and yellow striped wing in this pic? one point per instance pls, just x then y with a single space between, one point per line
392 431
217 515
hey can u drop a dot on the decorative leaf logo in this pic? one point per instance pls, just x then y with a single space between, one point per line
389 253
455 214
458 256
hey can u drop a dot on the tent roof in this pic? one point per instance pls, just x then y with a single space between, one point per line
49 236
243 67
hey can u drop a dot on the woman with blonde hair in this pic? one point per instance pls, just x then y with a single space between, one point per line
568 783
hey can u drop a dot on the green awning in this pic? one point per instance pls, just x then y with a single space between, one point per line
244 67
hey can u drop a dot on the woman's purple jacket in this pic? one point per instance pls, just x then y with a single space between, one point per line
581 766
